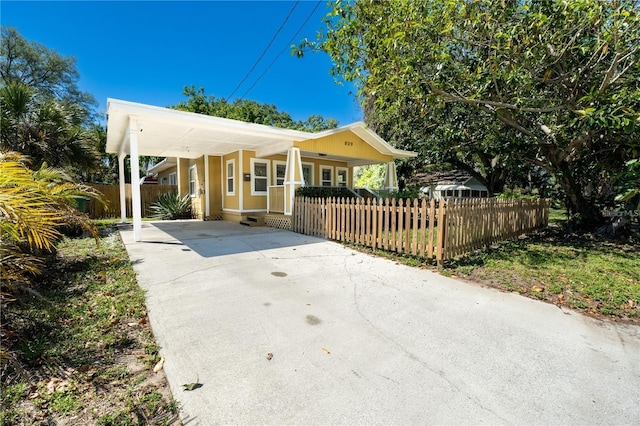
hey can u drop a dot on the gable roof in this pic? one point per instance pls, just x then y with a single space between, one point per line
165 132
451 177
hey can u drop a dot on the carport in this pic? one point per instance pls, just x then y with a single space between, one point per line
136 129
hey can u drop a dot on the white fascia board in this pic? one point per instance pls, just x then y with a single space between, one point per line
163 165
185 118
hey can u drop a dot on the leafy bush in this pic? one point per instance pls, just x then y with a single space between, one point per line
516 194
170 206
325 192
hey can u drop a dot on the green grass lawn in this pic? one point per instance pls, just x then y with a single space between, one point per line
594 275
598 277
81 349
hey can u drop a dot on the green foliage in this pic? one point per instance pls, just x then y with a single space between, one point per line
9 398
325 192
170 206
500 88
44 129
508 194
44 114
249 111
33 208
371 176
628 186
47 74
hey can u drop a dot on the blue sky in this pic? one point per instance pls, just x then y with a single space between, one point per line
147 51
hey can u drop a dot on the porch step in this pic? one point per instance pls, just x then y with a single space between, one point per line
253 221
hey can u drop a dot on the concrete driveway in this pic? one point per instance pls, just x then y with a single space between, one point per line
358 339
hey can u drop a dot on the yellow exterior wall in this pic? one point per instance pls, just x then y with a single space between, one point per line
344 144
231 201
215 187
253 202
183 176
165 174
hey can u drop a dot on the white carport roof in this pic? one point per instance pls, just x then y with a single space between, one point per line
164 132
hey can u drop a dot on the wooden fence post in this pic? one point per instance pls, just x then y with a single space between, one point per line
441 234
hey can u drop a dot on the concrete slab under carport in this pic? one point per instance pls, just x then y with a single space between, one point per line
406 346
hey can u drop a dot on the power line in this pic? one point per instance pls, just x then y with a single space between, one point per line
265 50
282 51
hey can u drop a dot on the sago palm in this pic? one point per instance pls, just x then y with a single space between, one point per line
33 208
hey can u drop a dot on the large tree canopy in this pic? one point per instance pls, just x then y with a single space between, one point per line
44 114
44 70
497 85
249 111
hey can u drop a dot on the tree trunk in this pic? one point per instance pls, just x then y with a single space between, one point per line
584 214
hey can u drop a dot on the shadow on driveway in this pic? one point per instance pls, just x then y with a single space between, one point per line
213 238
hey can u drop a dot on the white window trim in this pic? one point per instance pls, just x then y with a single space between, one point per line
342 169
322 168
193 192
254 161
173 175
313 169
227 177
277 163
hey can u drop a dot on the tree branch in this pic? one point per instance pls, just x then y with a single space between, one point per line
495 104
609 73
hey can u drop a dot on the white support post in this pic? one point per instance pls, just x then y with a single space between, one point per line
391 177
207 210
240 174
223 181
123 194
135 181
294 179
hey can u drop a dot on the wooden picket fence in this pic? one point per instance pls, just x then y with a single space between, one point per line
425 228
148 195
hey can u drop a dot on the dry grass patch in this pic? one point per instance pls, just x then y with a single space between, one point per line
80 348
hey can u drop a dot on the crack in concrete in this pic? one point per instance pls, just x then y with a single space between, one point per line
411 355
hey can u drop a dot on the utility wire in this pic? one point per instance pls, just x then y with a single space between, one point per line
282 51
265 50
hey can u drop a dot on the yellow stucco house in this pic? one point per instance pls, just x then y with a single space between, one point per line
234 169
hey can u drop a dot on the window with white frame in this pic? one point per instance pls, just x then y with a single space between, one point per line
192 181
326 175
279 170
173 178
307 173
231 177
342 176
259 176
